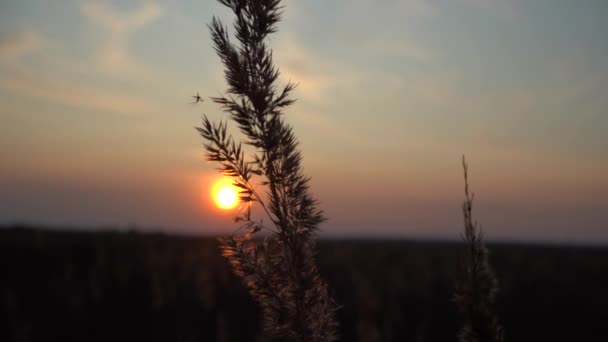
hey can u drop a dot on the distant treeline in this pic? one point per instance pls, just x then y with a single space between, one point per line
128 286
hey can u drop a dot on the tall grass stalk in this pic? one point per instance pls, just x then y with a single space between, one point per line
280 270
476 291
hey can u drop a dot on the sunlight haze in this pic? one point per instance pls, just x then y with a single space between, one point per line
98 115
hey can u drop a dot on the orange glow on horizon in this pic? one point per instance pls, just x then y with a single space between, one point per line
225 195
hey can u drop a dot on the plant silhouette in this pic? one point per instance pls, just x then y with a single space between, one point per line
476 291
279 271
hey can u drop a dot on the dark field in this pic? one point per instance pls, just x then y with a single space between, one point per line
107 286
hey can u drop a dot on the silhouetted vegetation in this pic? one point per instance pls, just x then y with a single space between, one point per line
477 285
110 286
280 272
116 286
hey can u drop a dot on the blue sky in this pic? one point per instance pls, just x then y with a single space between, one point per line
95 100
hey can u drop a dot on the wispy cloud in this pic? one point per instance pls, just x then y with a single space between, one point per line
76 95
506 8
120 22
315 74
400 48
114 56
418 7
299 65
16 45
17 78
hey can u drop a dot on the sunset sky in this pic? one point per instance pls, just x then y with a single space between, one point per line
97 124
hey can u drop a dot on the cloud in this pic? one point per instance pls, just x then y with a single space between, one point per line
401 48
76 95
299 65
114 56
17 77
506 8
417 7
119 22
19 44
316 75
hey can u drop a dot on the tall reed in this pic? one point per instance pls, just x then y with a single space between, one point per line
280 270
475 294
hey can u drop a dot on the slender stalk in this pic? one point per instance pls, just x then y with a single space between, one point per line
280 271
475 294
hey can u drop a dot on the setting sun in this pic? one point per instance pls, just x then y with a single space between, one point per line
225 194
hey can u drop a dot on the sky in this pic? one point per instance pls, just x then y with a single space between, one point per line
98 124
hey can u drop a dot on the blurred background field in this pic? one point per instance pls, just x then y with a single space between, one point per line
126 286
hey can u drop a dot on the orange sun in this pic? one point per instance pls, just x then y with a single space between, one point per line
225 195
